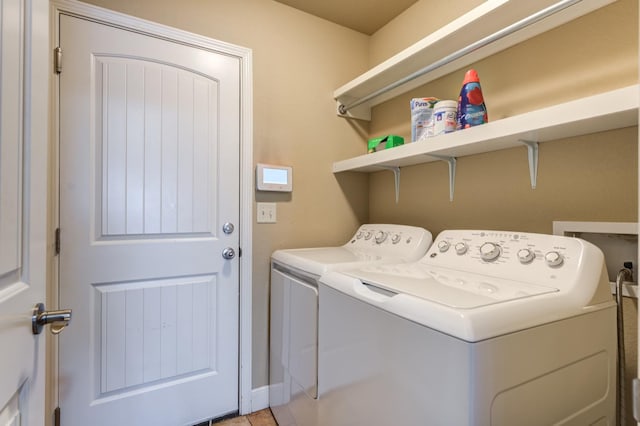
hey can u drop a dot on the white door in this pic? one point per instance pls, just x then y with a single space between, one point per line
149 176
23 218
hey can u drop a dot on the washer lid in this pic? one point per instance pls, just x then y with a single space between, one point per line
320 260
467 314
456 290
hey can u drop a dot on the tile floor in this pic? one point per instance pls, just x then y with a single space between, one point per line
259 418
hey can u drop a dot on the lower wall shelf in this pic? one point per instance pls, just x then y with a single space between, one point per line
606 111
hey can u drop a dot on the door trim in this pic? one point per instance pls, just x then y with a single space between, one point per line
244 56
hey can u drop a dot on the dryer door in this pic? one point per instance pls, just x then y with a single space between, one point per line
294 337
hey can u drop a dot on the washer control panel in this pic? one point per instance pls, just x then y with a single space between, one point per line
520 256
389 239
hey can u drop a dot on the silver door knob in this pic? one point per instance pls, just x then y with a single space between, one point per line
58 319
228 253
228 228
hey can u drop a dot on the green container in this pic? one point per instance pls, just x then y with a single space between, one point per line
384 142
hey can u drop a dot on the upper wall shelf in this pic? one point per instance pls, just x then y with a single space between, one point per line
481 32
606 111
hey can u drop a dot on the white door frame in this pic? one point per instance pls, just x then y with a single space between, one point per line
244 56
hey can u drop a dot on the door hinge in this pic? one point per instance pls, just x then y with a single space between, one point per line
57 59
56 417
57 242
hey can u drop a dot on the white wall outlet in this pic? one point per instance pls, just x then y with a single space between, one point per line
266 212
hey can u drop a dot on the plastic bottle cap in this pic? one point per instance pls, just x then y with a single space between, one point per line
471 76
446 104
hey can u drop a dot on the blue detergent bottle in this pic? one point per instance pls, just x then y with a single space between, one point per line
471 108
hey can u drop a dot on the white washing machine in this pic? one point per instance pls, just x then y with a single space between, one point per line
489 328
293 365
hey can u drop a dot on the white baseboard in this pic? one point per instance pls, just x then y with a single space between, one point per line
259 398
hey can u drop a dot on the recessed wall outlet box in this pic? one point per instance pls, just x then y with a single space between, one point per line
617 240
274 178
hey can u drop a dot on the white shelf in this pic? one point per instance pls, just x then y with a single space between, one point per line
606 111
486 20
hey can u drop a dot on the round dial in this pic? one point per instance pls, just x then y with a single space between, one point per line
526 255
380 237
359 235
443 246
553 258
395 239
461 248
489 251
367 235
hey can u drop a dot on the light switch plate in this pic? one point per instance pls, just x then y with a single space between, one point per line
266 212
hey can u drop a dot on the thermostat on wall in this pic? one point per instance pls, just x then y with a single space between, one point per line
274 178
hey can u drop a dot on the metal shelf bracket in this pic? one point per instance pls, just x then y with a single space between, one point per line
396 176
452 172
532 154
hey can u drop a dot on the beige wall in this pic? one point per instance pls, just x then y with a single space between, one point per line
415 23
298 61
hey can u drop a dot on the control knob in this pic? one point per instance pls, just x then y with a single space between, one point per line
489 251
553 258
367 235
526 256
380 237
461 248
443 246
395 239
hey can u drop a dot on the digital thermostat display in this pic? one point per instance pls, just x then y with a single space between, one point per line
274 178
277 176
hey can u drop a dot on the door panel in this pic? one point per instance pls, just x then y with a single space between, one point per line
11 144
135 350
147 166
147 129
23 212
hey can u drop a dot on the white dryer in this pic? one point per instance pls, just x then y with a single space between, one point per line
293 364
489 328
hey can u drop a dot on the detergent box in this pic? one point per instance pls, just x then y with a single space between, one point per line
384 142
421 114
